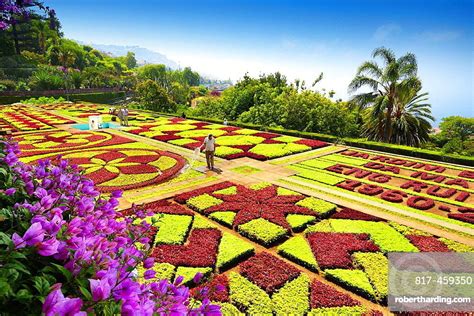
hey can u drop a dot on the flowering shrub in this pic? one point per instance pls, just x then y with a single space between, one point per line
64 251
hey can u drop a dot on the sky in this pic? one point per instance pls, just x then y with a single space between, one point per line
226 39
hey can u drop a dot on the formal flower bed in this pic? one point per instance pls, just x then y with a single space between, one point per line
265 285
56 141
21 122
264 213
125 168
434 188
232 142
66 251
351 250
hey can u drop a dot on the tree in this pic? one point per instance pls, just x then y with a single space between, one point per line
457 127
191 78
411 118
383 83
154 97
130 60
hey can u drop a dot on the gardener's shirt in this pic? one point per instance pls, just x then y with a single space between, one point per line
210 144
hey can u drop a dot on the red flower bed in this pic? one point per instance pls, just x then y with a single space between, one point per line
200 250
162 206
230 128
445 208
421 203
264 203
214 295
243 147
324 295
465 217
348 213
467 174
393 196
370 189
165 138
466 209
416 185
311 143
182 198
350 185
462 196
428 243
333 250
441 192
267 271
271 141
266 135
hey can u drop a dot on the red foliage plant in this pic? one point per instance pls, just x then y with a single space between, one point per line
324 295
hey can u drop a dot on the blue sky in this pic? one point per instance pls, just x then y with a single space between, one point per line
226 39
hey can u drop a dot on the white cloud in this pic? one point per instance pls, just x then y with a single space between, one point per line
385 31
442 36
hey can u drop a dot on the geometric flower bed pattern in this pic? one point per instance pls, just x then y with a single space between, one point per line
30 120
184 243
232 142
442 190
47 142
350 248
263 213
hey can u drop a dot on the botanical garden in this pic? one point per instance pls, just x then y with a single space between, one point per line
310 197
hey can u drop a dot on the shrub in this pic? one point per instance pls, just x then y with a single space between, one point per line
188 274
324 295
154 97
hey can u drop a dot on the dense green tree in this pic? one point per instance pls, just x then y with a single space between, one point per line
383 83
191 78
457 127
130 60
154 97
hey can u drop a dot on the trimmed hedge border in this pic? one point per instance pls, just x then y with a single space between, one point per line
100 97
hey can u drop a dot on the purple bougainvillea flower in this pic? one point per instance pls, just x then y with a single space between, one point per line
49 247
148 263
100 289
53 298
198 277
34 234
10 191
178 280
18 241
149 274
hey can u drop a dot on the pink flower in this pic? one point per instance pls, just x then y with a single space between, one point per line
148 263
49 247
100 289
32 236
10 191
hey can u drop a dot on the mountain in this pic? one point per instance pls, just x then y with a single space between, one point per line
143 55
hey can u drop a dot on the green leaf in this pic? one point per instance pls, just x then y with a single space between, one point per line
86 293
42 285
24 296
5 289
5 240
65 272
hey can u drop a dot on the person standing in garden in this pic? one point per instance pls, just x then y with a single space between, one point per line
209 146
120 116
125 115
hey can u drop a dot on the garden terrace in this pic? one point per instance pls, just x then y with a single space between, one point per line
290 226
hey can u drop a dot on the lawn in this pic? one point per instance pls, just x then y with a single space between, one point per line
274 249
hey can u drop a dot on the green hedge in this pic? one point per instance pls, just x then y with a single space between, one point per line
100 97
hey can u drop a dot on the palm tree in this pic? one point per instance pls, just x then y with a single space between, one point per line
383 84
410 119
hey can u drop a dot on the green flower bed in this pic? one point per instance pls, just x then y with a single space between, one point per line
202 202
188 274
333 311
172 229
298 250
250 297
232 250
225 218
354 280
278 150
292 298
236 140
382 234
223 151
375 266
262 231
321 207
298 221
